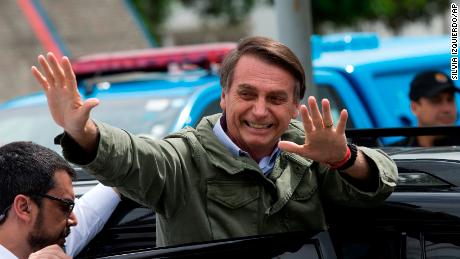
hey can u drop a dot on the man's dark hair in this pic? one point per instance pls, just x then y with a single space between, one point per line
270 51
28 168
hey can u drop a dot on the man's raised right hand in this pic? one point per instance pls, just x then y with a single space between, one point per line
66 106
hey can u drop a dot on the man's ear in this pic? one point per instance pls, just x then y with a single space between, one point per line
22 207
222 100
414 107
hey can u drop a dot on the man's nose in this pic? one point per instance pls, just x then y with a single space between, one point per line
72 220
260 107
448 106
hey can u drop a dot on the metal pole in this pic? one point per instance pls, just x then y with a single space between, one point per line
294 30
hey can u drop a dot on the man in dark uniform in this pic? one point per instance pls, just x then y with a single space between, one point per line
432 95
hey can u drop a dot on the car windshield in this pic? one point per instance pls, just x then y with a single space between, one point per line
151 116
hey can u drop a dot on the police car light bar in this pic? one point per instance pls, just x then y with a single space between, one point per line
151 59
337 42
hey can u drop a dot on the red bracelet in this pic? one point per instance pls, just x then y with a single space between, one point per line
343 161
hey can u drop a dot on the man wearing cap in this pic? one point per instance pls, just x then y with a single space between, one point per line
432 95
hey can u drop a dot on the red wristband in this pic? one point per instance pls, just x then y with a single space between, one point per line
343 161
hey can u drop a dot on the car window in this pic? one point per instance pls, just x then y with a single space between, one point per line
144 115
210 109
33 123
152 116
413 178
393 89
422 174
326 91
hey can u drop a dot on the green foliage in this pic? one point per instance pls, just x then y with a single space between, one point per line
233 12
344 12
153 14
339 13
394 13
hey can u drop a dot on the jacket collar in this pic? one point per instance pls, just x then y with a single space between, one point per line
221 157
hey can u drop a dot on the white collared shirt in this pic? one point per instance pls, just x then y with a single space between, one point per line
6 254
92 210
266 164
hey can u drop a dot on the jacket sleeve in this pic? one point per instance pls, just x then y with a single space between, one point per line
335 187
142 169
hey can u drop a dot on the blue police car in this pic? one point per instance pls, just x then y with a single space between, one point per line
176 94
371 76
154 92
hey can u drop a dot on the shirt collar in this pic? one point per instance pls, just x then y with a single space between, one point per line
266 163
226 141
6 254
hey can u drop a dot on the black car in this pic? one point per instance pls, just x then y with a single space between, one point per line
178 86
421 219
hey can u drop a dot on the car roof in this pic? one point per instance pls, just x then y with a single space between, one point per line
178 70
206 56
140 84
387 49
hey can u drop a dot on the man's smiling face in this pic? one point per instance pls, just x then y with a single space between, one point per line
258 105
438 110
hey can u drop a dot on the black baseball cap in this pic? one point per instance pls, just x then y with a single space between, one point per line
429 84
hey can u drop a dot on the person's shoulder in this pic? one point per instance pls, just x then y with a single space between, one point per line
295 132
297 126
182 142
193 137
183 133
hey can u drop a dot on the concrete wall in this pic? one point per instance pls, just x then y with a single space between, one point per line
18 47
85 27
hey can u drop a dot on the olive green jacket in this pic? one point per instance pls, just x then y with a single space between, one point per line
200 191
